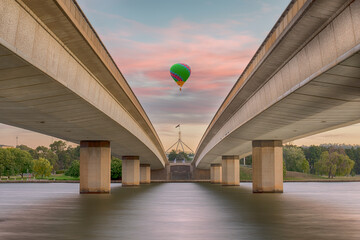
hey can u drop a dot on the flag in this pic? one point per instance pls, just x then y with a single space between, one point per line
177 126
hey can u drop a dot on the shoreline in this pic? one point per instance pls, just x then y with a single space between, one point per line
174 181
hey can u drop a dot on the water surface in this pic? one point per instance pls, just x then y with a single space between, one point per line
180 211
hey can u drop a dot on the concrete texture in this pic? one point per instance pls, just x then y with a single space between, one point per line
216 173
57 78
230 170
305 82
130 171
161 174
267 165
95 160
145 174
180 171
200 174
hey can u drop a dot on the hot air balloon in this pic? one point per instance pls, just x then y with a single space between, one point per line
180 72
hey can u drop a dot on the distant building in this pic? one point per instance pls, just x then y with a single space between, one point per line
6 146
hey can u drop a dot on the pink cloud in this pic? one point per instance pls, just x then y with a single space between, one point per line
216 54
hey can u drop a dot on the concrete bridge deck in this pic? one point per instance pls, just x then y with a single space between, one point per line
304 79
57 78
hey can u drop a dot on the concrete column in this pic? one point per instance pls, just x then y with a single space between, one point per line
130 171
95 160
215 173
145 173
230 170
267 160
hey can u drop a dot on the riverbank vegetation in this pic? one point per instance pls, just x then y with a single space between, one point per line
61 162
318 162
58 161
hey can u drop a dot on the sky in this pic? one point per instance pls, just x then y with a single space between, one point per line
215 38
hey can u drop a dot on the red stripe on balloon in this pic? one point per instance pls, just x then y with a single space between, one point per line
176 76
186 66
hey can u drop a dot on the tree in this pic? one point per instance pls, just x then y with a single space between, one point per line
58 146
7 163
44 152
354 154
116 168
248 160
344 165
326 165
183 156
29 150
74 170
23 161
178 156
42 168
312 155
295 159
172 155
334 163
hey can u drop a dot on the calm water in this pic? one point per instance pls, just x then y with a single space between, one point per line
180 211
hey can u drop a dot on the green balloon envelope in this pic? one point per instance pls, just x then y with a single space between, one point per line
180 72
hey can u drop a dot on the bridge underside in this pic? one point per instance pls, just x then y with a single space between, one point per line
32 100
329 101
303 80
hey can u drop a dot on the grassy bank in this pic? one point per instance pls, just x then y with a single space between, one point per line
55 177
246 175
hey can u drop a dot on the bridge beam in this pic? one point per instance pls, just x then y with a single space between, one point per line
216 173
230 170
145 174
130 171
267 160
95 160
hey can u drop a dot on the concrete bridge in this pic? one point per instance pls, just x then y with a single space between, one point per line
303 80
57 78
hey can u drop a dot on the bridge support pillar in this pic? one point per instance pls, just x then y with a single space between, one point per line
267 160
216 173
230 170
145 173
130 171
95 160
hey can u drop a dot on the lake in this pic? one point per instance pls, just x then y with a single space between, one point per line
180 211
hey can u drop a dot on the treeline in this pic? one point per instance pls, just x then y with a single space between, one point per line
42 161
179 156
327 159
58 154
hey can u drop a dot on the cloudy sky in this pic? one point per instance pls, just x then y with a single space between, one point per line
215 38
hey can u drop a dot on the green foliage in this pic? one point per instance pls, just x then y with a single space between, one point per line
334 163
172 155
42 168
58 146
178 156
74 169
7 163
44 152
354 154
245 173
23 161
59 154
116 168
295 159
312 155
248 160
344 165
284 168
